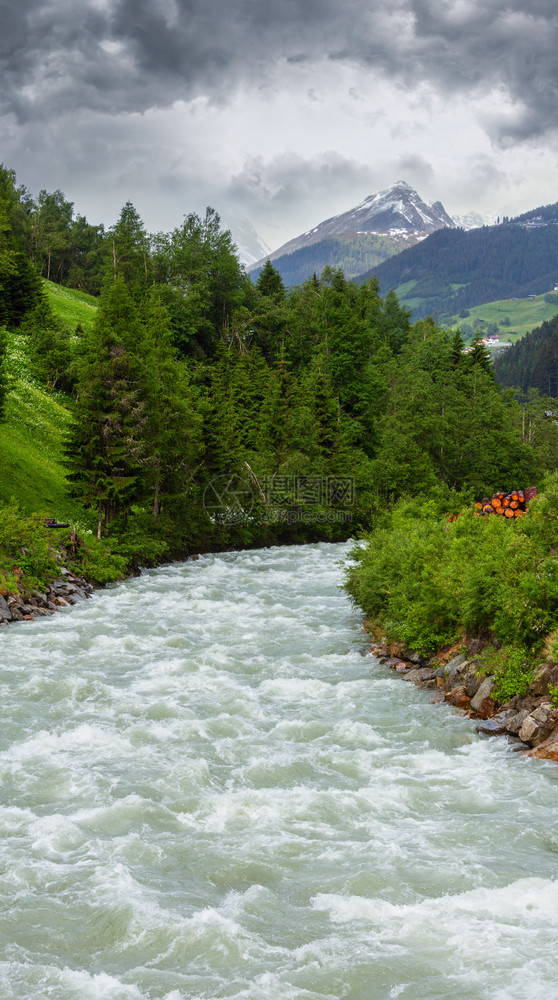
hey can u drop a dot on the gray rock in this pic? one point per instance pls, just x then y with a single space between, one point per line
484 691
452 667
544 678
419 675
414 656
539 725
497 725
517 721
5 613
471 683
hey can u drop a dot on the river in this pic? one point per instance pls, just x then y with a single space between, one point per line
210 790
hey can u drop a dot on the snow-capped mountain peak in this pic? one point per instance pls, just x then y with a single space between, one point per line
395 210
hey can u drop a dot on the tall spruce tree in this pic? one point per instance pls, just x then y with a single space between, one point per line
172 428
105 445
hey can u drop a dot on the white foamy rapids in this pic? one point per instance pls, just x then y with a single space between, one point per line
209 792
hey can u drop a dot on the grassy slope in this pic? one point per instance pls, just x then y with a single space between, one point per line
524 314
31 470
70 305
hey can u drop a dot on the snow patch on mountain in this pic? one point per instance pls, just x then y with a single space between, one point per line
398 209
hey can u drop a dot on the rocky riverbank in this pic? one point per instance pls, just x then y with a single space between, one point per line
67 589
462 680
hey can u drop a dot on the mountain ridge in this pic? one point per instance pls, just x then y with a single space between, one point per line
395 211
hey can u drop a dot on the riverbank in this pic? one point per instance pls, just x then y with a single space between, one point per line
43 570
461 677
62 592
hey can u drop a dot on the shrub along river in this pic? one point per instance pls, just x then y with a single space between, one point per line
210 790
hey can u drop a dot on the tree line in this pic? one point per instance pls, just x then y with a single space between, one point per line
453 270
324 399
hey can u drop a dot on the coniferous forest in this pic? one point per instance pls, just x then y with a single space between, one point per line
209 411
453 269
532 363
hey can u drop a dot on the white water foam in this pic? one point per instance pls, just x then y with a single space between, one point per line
208 793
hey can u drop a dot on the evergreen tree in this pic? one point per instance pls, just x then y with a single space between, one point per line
20 284
50 346
105 445
172 434
127 252
270 282
199 263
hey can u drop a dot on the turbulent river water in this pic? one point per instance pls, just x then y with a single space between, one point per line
210 790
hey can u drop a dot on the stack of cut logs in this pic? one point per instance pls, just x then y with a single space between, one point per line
510 505
507 504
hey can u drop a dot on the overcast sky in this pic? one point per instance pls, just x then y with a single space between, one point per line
283 112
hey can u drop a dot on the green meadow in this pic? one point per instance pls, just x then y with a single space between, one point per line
31 456
523 315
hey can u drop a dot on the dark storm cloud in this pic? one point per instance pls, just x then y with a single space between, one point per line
129 55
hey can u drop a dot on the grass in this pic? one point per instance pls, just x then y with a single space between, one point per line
71 305
31 438
31 470
524 316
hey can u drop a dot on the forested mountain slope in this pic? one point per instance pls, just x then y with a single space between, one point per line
453 270
382 225
532 363
321 404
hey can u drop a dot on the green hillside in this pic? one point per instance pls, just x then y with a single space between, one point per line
510 319
70 305
453 270
31 469
352 253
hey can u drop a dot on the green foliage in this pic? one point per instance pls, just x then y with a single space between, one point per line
127 253
31 446
353 254
3 371
27 556
427 580
73 307
512 669
270 283
105 445
453 270
532 363
50 350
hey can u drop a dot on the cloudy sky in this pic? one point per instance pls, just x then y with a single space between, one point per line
281 113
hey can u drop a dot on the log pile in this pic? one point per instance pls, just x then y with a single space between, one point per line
510 505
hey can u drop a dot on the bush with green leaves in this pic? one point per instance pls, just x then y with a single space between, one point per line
27 555
427 581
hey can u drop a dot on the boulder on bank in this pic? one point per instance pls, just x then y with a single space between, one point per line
498 724
484 692
419 675
548 749
5 613
539 725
